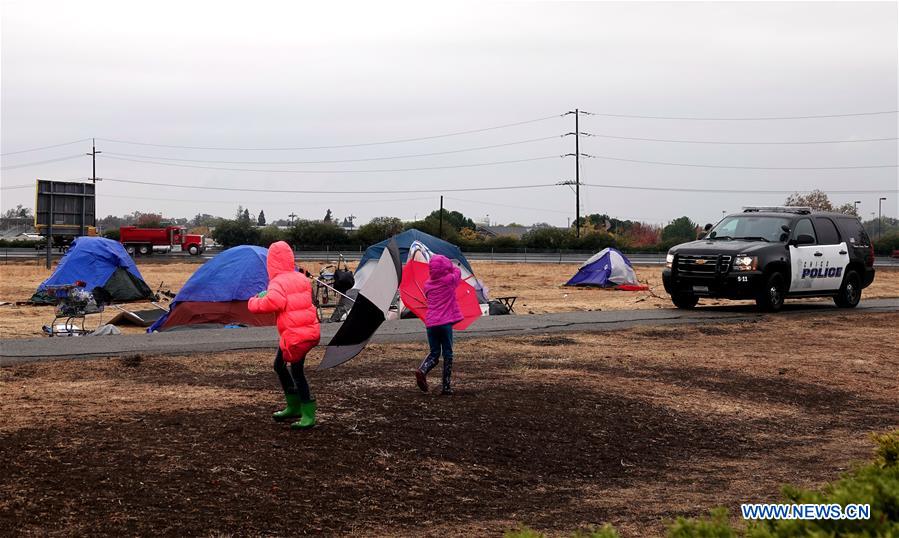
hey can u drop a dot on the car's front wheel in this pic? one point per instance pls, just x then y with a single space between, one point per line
850 292
771 297
685 301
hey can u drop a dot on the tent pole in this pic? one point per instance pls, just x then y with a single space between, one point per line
334 290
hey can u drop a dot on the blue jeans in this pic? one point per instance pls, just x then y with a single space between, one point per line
440 339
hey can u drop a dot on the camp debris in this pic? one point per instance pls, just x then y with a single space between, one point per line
138 318
216 294
608 268
370 309
99 263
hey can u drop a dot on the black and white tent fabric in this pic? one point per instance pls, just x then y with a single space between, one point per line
369 311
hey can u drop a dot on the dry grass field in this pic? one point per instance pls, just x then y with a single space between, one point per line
538 288
558 432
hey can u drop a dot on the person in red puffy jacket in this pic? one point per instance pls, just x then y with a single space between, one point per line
443 313
289 294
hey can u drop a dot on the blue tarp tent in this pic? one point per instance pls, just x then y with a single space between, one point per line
217 293
98 262
607 268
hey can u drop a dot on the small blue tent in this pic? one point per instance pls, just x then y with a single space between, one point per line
607 268
99 263
217 293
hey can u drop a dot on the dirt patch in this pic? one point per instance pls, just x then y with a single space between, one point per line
599 427
552 341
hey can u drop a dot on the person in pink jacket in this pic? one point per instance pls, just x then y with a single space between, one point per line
289 294
443 313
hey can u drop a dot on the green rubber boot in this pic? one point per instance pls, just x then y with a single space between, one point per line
308 419
293 409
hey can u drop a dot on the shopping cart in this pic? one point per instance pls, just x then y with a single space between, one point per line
73 304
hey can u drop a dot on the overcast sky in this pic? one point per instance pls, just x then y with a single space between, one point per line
301 74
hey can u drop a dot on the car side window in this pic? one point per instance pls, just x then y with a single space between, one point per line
804 227
854 232
827 231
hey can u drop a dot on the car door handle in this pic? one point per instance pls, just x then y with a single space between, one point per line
842 252
818 254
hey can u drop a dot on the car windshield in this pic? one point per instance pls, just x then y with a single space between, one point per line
750 227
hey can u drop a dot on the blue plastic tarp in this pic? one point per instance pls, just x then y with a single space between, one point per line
234 275
92 260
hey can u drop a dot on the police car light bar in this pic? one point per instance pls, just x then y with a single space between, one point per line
778 209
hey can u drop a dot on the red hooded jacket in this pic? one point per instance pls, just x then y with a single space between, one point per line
289 295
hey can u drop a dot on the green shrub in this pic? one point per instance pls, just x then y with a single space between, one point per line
716 525
886 244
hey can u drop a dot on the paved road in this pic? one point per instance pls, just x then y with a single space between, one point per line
13 254
222 340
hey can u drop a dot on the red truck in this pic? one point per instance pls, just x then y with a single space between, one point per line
145 241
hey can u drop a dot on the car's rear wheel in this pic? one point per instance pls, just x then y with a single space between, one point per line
685 301
771 297
850 292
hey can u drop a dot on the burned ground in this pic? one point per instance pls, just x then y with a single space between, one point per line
559 433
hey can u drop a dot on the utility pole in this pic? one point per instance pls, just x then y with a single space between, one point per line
880 218
292 216
577 175
577 170
440 233
93 155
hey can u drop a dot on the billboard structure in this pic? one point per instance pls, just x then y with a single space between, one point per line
63 211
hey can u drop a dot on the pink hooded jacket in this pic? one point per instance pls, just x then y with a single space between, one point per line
289 295
440 290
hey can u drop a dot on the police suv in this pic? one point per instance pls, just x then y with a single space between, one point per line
771 253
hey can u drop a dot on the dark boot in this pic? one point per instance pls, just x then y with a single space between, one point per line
421 374
421 380
447 375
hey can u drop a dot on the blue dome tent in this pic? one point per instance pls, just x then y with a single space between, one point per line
99 263
216 294
607 268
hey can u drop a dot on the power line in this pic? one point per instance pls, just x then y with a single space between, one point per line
10 167
397 141
492 204
695 165
387 158
11 187
773 143
419 169
267 202
734 191
306 191
757 118
45 147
